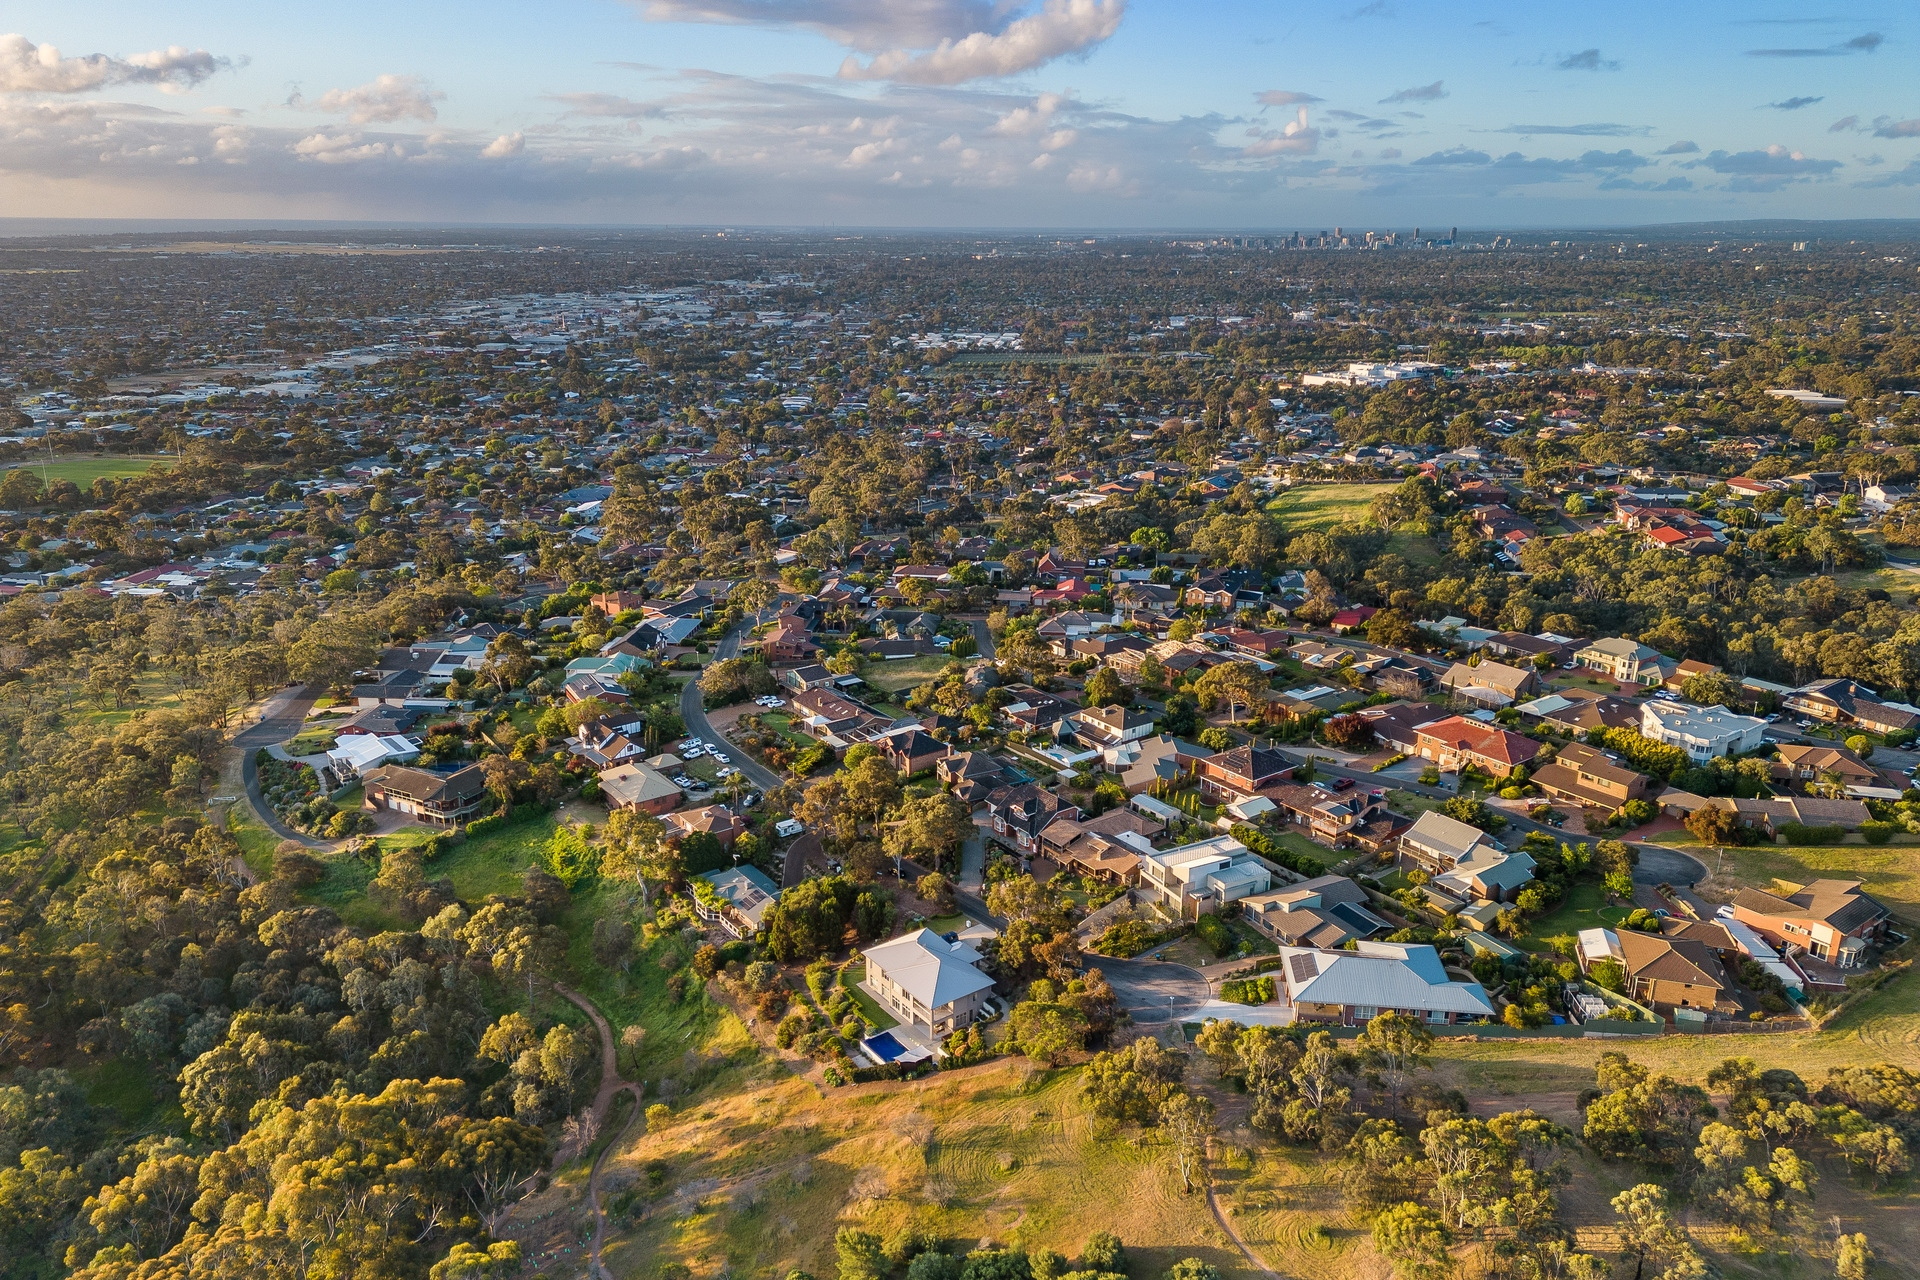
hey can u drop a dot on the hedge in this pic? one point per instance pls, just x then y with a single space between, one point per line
1799 833
480 826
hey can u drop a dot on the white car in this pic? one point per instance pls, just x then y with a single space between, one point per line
690 756
726 773
723 757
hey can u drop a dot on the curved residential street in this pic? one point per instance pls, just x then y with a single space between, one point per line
1155 992
285 713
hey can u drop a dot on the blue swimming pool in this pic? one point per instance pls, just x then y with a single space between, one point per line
884 1047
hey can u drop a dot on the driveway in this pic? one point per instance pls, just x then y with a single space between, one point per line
1155 992
693 713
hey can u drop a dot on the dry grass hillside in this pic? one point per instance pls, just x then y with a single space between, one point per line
752 1176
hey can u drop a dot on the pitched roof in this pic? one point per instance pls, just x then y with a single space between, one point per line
1659 959
1381 975
927 967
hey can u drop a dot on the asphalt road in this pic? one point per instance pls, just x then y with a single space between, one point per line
693 713
1155 992
286 713
983 638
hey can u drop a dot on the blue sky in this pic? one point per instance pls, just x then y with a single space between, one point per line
1221 114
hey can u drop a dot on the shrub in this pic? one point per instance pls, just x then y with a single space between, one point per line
480 826
1214 933
1125 938
1247 990
1877 832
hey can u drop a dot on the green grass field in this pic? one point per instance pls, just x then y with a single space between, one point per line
84 471
1321 506
907 673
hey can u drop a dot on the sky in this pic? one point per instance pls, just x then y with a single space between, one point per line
1225 115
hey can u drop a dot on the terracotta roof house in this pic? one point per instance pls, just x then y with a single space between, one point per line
1458 742
445 798
788 642
715 819
1395 723
1587 776
1831 920
1674 973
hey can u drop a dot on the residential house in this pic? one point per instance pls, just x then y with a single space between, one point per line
354 754
810 676
1395 724
1674 973
1107 848
1032 709
1337 819
1465 861
1105 727
443 798
912 750
1807 766
715 820
835 720
1241 772
1770 815
1587 776
1199 878
634 785
1351 988
740 899
1144 761
1350 619
1459 742
1491 683
1831 920
584 687
1018 814
925 981
1677 678
1524 648
1578 711
1626 661
970 775
788 643
1701 732
1842 701
1326 912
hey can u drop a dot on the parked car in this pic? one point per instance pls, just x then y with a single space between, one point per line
1342 784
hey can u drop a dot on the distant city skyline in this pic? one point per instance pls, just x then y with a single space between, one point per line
959 113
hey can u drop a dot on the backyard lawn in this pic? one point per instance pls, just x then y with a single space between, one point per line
907 673
869 1008
1585 907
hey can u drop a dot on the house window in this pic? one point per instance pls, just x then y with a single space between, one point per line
1820 949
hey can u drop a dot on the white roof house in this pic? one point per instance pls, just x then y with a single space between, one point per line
1377 977
1701 732
923 979
357 752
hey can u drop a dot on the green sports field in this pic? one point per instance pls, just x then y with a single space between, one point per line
84 471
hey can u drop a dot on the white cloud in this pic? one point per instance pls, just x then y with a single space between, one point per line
1284 98
857 24
26 67
507 144
379 101
341 148
1029 120
1298 138
1061 28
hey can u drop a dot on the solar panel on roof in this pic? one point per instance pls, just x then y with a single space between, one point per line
1303 967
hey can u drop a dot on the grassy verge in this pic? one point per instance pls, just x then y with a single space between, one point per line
1321 506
